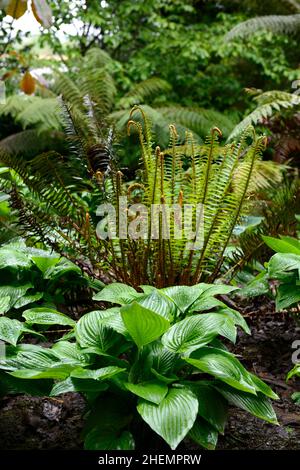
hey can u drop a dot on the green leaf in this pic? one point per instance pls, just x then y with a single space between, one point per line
280 263
45 262
4 304
117 293
28 299
144 326
97 439
204 434
263 387
14 292
259 405
287 296
90 332
296 397
153 390
47 316
11 330
159 303
71 352
96 374
294 371
212 407
58 372
283 245
224 366
193 332
10 257
173 418
72 384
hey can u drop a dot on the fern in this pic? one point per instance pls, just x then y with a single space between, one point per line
277 24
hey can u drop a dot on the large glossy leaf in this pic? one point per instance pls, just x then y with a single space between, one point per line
10 257
283 245
14 292
28 299
71 352
117 293
90 332
224 366
281 263
97 439
4 304
153 390
294 371
96 374
204 434
143 325
193 332
259 405
57 372
11 330
45 262
29 356
212 406
47 316
288 295
71 384
114 320
159 303
173 418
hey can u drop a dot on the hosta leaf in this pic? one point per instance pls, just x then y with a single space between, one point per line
173 418
14 292
296 397
153 390
263 387
29 356
117 293
28 299
283 245
45 262
98 374
204 434
183 296
47 316
158 303
71 352
4 304
282 262
77 385
144 326
58 372
224 366
161 359
115 321
212 407
287 296
259 405
90 332
236 316
10 257
294 371
11 330
97 439
193 332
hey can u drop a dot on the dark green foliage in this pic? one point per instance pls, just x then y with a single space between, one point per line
151 363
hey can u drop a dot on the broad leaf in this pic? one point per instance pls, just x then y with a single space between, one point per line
47 316
288 295
283 245
193 332
173 418
153 390
4 304
71 384
117 293
90 332
259 405
96 374
11 330
224 366
204 434
97 439
144 326
212 407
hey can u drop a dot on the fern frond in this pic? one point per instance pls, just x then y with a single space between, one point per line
277 24
144 91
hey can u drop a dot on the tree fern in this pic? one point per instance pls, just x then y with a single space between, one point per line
277 24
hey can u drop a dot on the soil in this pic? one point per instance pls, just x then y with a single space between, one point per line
56 423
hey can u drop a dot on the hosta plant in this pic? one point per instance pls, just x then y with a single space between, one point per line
281 276
32 277
153 364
